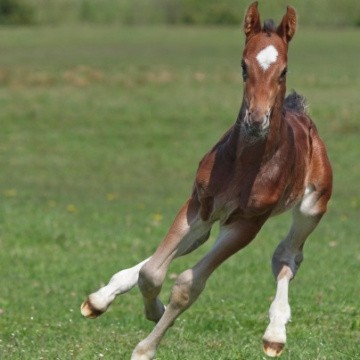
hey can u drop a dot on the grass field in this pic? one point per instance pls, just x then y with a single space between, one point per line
101 132
136 12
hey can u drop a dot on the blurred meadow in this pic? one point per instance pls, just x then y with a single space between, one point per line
102 128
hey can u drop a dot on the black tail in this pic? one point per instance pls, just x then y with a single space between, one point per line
295 102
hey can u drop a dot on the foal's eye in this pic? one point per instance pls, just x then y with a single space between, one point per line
244 70
283 75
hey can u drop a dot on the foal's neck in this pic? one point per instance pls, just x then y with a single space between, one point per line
248 148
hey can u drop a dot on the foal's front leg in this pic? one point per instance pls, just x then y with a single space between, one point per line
120 283
285 263
184 236
187 232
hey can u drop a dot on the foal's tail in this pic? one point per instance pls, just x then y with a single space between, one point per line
296 102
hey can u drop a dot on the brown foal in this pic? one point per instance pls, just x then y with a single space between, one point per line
272 159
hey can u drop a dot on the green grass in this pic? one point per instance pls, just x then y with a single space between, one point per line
101 132
316 13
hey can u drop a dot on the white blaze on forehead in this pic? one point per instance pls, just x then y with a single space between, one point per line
266 57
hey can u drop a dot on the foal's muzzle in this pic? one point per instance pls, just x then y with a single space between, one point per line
257 123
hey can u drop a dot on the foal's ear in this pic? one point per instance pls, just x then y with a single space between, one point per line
287 28
252 23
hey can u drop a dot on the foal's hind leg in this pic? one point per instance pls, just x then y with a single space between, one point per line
285 263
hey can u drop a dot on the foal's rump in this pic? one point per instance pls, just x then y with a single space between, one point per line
295 112
309 147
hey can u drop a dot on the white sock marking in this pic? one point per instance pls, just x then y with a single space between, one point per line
279 314
266 57
120 283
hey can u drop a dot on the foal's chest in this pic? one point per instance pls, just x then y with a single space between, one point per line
229 189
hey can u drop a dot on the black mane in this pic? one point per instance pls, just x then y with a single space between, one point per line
269 26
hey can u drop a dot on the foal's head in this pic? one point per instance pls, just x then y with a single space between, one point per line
264 66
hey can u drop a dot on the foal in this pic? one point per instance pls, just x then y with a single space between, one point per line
270 160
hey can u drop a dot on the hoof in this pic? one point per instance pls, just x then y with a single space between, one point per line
89 310
273 349
154 310
142 352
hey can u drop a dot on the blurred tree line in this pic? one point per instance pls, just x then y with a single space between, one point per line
197 12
